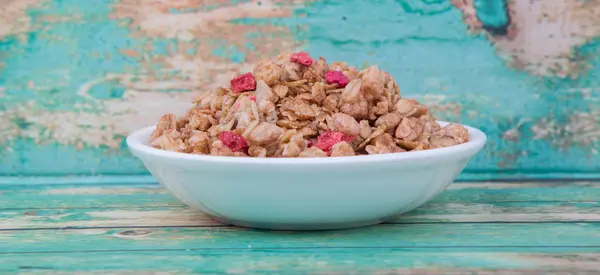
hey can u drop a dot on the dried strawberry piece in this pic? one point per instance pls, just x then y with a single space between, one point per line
337 77
329 138
241 83
234 142
301 58
253 98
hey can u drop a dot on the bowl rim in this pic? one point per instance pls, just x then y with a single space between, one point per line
137 143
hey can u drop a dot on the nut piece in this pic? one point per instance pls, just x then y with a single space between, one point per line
267 71
199 143
320 67
167 122
264 134
300 108
365 129
294 147
389 120
410 107
345 124
281 90
313 152
410 145
169 141
458 132
382 107
383 144
359 109
318 92
430 126
331 101
406 107
264 93
449 135
291 71
373 82
200 121
409 129
352 91
257 152
342 149
217 148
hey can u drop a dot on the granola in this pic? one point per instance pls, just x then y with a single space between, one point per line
295 106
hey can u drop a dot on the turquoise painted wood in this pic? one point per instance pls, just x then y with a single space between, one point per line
473 228
77 206
99 195
182 216
375 261
76 79
419 237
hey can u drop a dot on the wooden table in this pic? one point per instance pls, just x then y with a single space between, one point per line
471 228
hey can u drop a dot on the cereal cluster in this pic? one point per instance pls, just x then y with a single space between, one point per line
296 106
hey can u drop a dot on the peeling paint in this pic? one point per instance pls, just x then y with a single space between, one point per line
514 132
14 18
83 77
147 95
154 19
116 119
542 35
582 128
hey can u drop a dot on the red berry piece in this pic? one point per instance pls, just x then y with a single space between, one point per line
337 77
242 83
301 58
327 139
234 142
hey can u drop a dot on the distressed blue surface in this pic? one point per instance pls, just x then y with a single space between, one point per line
38 59
141 229
492 13
424 44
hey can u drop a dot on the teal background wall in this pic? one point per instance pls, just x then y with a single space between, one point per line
77 76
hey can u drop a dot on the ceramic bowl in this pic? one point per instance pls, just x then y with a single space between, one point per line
306 193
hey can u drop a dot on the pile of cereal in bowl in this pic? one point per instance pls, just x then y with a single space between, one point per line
296 106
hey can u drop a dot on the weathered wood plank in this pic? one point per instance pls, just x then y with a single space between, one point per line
84 196
28 197
104 217
504 212
522 191
184 216
501 236
141 61
298 262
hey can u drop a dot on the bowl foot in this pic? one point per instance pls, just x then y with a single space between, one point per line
296 226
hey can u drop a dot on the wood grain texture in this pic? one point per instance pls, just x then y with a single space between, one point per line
83 206
472 228
307 261
18 196
183 216
75 79
493 237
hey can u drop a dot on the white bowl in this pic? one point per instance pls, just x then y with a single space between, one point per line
306 193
